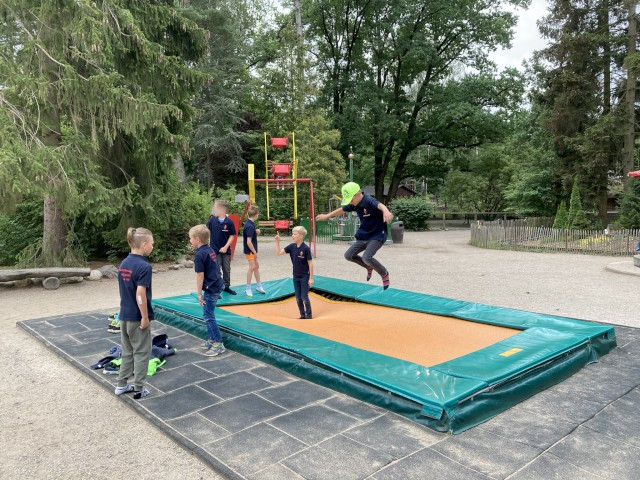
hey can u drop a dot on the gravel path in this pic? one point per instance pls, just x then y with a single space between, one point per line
57 423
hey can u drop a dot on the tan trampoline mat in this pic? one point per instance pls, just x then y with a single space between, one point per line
412 336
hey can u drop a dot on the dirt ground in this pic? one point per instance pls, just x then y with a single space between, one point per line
57 423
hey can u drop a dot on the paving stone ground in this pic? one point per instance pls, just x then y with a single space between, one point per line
250 420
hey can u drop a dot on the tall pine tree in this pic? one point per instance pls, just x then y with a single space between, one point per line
95 106
578 90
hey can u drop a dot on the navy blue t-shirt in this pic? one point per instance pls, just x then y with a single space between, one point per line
249 231
205 261
220 230
300 256
135 271
372 225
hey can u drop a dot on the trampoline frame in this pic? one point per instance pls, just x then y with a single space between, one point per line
451 396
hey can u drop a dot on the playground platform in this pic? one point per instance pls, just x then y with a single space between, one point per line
249 420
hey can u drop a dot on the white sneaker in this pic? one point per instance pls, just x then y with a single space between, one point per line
249 292
126 389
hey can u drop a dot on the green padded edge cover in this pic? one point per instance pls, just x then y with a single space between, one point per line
451 396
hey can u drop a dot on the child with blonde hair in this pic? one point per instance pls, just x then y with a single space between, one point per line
134 282
301 259
209 286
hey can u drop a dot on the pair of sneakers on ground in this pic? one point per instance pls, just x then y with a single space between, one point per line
137 394
213 349
259 289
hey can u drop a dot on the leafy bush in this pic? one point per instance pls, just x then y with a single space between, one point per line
197 205
630 206
581 221
575 203
562 217
168 212
20 230
414 212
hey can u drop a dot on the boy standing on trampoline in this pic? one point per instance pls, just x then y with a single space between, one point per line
372 233
250 244
223 231
209 286
302 268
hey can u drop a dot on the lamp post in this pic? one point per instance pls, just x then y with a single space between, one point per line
350 157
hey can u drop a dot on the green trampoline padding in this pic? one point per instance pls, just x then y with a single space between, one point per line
451 396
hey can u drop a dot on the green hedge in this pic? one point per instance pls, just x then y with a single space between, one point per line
414 212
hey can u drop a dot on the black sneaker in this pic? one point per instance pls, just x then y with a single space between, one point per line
229 291
138 394
309 317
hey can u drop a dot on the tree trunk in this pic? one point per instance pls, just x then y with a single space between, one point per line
378 169
604 31
178 164
296 6
396 177
54 236
630 93
605 44
299 57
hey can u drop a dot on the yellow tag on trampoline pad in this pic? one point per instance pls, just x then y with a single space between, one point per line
508 353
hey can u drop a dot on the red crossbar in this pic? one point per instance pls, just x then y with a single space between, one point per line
281 180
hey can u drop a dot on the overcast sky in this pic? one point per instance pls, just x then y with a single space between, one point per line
526 38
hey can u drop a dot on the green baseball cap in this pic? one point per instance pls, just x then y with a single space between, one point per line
349 189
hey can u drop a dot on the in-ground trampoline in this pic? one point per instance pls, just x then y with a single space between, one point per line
444 363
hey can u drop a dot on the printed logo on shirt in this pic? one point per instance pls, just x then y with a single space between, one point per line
301 255
125 274
365 213
212 255
225 228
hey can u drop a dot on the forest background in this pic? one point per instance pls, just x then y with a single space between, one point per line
138 113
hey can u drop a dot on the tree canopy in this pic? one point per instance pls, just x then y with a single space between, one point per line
123 113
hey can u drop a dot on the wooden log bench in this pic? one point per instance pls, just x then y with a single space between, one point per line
51 276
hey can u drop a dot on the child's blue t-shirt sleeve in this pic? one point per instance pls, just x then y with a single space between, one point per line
144 276
248 231
348 208
307 254
287 249
198 263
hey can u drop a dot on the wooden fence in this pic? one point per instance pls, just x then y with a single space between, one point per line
518 235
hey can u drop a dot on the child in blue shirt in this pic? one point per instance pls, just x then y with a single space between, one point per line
209 286
301 259
372 233
223 232
250 243
134 282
